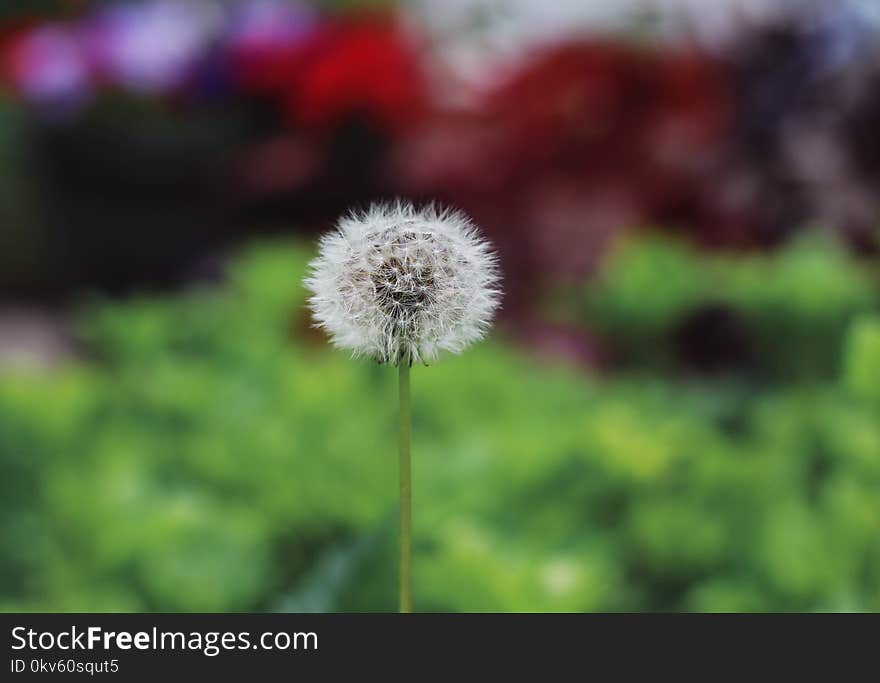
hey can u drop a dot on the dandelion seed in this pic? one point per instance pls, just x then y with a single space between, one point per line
396 282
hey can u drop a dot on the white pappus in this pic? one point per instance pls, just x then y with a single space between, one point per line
400 283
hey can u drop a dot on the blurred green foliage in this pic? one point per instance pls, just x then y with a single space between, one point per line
212 453
791 307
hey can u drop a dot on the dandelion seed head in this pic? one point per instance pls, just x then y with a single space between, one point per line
396 282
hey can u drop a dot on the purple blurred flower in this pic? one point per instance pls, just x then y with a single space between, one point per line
268 24
152 47
49 68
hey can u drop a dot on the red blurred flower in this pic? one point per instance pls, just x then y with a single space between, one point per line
268 69
359 67
598 108
569 101
331 70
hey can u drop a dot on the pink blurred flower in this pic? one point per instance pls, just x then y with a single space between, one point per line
266 40
48 67
269 24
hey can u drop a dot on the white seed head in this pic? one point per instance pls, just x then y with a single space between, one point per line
396 282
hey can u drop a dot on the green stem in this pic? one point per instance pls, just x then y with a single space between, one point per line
406 600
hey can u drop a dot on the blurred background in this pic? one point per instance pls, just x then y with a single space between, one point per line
680 406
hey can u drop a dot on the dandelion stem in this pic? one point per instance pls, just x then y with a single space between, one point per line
406 601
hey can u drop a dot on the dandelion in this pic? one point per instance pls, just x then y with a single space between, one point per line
398 283
404 285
